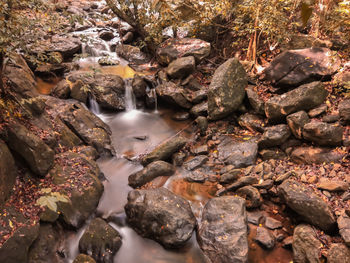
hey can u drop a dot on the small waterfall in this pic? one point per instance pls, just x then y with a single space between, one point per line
153 94
130 100
94 107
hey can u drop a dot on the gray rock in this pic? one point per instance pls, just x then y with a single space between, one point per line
304 97
100 241
139 86
242 181
160 215
196 162
222 234
317 111
251 122
308 204
230 176
252 196
132 54
165 150
311 155
306 246
150 172
265 238
296 67
255 101
344 227
272 223
198 176
344 110
255 217
338 253
202 123
200 109
274 136
227 89
296 122
171 93
181 67
8 172
323 133
67 46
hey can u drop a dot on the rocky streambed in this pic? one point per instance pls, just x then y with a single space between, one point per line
125 159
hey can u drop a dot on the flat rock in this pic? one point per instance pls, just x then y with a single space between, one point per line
255 217
272 223
222 233
196 162
333 185
274 136
242 181
265 238
323 134
311 155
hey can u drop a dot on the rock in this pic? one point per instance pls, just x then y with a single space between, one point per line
242 181
132 54
287 242
15 249
280 179
274 136
272 223
127 38
79 91
338 253
230 176
306 246
239 154
227 89
106 35
331 118
272 153
200 109
317 111
296 67
323 133
81 258
296 122
196 162
160 215
265 238
61 90
254 217
311 155
45 247
344 110
100 241
34 151
251 122
171 93
198 96
333 185
8 172
151 171
197 176
344 227
178 158
304 97
88 151
252 196
139 86
222 233
255 101
308 204
264 184
165 150
107 61
66 45
202 123
200 150
172 49
181 67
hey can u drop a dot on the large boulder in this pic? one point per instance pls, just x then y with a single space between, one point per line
297 67
165 150
151 171
305 97
222 233
238 154
100 241
181 67
34 151
306 246
8 172
227 89
173 94
172 49
322 133
160 215
307 204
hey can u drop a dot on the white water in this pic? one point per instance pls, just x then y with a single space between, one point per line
130 100
94 107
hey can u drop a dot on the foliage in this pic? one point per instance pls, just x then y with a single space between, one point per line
50 199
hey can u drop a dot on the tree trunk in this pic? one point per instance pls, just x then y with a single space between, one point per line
2 90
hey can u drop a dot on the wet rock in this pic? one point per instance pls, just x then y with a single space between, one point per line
227 89
100 241
242 181
160 215
197 176
88 151
171 93
304 97
344 227
333 185
106 35
344 110
296 67
181 116
317 111
310 155
196 162
230 176
338 253
107 61
265 238
272 153
239 154
255 101
45 246
178 158
251 122
15 249
132 54
296 122
323 133
61 90
8 172
181 67
172 49
308 204
255 217
79 91
81 258
34 151
306 246
274 136
222 234
139 86
127 38
198 96
151 171
200 109
252 196
165 150
272 223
